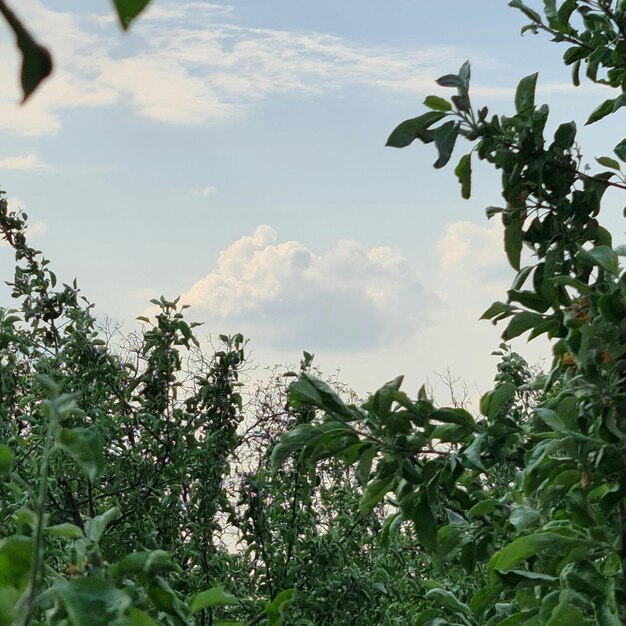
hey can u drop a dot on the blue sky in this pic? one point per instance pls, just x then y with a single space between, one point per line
232 152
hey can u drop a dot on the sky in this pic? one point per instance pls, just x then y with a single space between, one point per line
233 153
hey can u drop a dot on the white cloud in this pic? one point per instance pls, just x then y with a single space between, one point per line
25 162
191 63
78 55
201 70
467 247
473 266
209 190
469 250
288 297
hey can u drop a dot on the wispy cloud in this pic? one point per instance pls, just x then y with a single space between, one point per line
192 63
25 162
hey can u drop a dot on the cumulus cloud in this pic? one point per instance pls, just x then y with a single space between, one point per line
192 63
25 162
472 258
288 297
469 247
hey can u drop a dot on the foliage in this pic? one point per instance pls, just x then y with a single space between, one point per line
528 498
131 466
138 486
108 460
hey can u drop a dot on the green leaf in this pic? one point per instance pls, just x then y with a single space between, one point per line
463 172
482 508
565 135
148 562
65 530
608 162
391 525
528 12
521 579
450 80
6 460
128 10
472 453
417 128
364 467
276 609
576 74
605 606
524 547
166 600
575 54
549 8
445 138
529 299
437 104
604 256
448 601
425 523
525 93
565 614
295 439
620 150
16 554
135 617
523 517
308 390
303 392
513 242
91 601
451 433
85 446
36 60
604 109
550 419
454 416
374 493
520 323
497 308
215 596
95 526
465 74
492 402
490 211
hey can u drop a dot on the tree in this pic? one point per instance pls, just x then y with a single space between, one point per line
117 463
130 466
527 499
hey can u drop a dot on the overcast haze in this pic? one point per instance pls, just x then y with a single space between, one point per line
234 153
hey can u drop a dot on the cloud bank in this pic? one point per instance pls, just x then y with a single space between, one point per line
349 298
